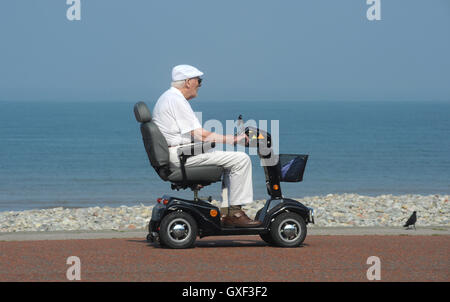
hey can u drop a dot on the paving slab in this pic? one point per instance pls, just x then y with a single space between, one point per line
230 259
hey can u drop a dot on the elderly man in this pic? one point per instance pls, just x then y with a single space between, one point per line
177 122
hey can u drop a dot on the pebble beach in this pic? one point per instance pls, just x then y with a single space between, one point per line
332 210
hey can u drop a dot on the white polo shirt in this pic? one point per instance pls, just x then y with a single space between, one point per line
174 117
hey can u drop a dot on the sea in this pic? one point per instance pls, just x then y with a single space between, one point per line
86 154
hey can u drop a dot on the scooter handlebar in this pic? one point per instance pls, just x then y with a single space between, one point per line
256 136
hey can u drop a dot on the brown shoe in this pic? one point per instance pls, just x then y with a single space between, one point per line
223 217
239 219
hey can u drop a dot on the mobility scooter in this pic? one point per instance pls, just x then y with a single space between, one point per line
176 222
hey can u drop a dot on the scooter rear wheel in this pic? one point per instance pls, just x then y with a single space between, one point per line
178 230
288 230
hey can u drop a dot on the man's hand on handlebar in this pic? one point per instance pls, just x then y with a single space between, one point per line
241 139
207 136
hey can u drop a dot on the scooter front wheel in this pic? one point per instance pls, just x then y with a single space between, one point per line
288 230
265 236
178 230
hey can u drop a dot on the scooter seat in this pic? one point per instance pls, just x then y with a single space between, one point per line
198 174
158 154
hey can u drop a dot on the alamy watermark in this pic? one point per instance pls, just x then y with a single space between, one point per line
374 271
374 11
74 271
260 144
73 12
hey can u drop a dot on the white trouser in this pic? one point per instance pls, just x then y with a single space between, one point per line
237 185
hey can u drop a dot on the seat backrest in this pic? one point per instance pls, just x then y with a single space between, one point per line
154 142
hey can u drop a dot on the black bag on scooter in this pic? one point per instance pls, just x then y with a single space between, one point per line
292 167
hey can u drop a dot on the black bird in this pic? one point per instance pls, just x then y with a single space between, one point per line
411 221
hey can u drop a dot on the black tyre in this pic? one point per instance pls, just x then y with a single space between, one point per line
266 237
288 230
178 230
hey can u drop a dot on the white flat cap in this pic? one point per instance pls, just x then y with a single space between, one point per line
183 72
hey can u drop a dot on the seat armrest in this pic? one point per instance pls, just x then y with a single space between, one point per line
195 149
191 150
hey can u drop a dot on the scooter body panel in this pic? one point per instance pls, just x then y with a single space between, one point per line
211 226
200 210
274 207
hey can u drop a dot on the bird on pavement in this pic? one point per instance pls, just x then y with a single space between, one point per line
411 221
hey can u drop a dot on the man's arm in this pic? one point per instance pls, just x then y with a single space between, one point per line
207 136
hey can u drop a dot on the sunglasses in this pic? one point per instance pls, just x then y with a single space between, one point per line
198 79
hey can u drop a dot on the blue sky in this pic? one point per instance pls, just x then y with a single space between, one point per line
123 50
